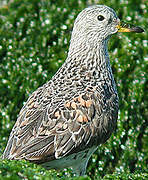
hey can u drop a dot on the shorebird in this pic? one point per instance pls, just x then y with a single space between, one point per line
64 121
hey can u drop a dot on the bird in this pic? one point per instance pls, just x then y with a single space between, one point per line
64 121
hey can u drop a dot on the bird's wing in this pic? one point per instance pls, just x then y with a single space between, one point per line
46 129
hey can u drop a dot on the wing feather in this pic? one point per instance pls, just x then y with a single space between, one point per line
56 131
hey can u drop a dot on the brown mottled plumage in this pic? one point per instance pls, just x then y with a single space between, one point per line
64 121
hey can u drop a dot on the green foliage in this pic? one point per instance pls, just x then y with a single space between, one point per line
17 170
34 40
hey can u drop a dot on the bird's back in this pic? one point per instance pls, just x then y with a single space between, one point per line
62 117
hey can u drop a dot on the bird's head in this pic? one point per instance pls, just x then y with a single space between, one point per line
99 22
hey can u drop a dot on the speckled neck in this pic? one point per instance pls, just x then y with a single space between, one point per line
90 57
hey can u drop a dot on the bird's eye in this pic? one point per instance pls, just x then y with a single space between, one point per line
101 18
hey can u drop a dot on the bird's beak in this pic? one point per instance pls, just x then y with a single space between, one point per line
124 27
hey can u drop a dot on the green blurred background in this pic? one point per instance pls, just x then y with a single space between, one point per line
34 41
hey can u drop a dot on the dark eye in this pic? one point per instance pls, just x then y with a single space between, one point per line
101 18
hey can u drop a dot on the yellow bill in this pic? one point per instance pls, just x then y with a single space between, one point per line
125 27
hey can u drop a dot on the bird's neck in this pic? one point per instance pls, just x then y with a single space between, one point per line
92 56
90 64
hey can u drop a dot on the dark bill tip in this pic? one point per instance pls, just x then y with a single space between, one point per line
137 29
